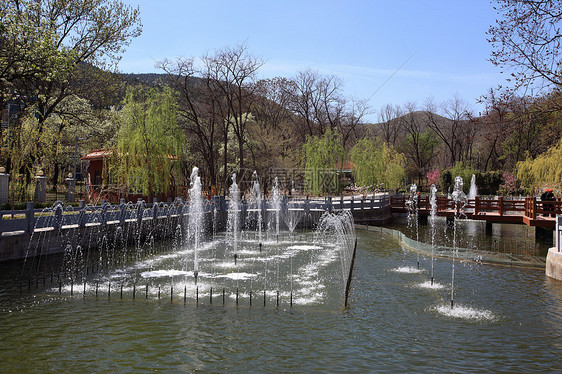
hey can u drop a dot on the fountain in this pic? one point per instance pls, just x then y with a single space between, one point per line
412 205
276 207
255 219
234 212
126 276
473 188
460 201
195 225
433 215
133 253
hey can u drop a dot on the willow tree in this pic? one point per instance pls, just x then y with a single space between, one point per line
377 164
545 170
150 143
321 155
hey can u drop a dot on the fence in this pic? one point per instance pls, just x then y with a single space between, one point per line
66 216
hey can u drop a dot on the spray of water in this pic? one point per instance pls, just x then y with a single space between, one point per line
433 204
276 204
233 220
460 200
195 226
412 204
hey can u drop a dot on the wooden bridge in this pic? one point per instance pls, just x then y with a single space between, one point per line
529 210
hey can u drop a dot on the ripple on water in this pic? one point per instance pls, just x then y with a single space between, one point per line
429 285
407 270
465 312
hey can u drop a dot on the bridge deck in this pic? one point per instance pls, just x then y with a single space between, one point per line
528 211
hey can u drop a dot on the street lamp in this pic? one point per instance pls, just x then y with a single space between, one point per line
76 153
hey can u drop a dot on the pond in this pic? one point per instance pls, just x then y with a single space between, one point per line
505 319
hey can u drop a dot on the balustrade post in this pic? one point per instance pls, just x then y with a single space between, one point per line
154 210
533 207
122 214
500 205
351 203
329 204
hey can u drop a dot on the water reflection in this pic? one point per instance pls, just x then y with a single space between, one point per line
391 325
510 238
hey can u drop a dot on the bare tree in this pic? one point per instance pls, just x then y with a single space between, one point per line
319 104
199 109
272 117
217 97
233 71
456 131
526 40
390 126
420 143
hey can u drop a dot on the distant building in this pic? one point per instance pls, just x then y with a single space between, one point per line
101 187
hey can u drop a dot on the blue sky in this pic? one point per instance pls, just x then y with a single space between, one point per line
440 44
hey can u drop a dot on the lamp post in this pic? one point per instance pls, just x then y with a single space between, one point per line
76 153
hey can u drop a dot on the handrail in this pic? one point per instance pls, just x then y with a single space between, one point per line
530 207
61 215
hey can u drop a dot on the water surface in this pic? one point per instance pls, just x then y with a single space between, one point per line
508 320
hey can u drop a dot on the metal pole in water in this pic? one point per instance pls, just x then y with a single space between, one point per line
71 288
121 294
277 298
97 287
60 287
84 288
158 292
236 296
184 294
197 296
211 296
291 302
264 298
348 285
146 292
134 290
260 247
250 298
171 294
235 258
108 290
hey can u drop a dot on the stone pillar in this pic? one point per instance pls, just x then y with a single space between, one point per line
4 186
70 191
40 187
